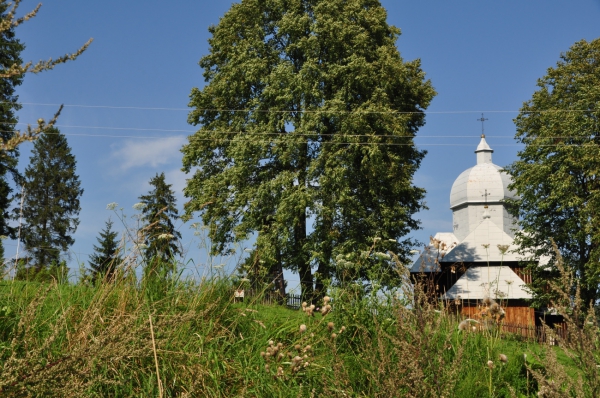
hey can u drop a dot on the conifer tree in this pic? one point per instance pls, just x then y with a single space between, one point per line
307 122
106 258
158 213
10 50
51 200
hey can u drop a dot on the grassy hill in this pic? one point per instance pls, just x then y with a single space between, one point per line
190 339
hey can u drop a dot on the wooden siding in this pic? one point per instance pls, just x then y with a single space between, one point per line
523 274
516 315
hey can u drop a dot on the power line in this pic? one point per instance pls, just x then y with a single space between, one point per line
298 111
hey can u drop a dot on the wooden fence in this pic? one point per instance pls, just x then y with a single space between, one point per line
539 334
292 301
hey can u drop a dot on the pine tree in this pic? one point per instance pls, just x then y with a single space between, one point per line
51 200
307 121
106 258
10 50
158 213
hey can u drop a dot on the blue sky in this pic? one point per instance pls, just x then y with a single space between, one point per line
126 97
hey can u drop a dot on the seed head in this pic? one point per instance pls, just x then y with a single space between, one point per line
490 364
326 299
495 309
330 326
333 335
302 328
503 358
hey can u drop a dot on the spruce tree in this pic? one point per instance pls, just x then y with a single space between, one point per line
306 128
10 50
106 258
158 213
51 200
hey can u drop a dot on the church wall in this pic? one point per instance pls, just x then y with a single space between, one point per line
467 218
515 315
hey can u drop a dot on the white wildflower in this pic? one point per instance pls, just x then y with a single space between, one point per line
165 236
382 256
112 206
139 206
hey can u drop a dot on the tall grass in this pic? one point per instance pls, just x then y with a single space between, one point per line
176 338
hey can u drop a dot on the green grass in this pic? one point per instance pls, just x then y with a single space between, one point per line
77 340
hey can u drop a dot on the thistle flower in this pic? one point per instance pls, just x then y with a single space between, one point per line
343 329
490 364
326 299
333 335
495 309
464 325
302 328
330 325
488 301
503 358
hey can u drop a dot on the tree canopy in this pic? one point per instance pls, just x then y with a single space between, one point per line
158 213
306 135
106 258
558 172
10 55
51 199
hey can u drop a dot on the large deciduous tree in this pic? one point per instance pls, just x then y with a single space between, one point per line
558 172
306 135
51 200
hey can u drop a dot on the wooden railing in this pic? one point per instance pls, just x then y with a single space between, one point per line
292 301
540 334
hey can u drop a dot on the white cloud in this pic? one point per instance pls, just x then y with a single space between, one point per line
147 152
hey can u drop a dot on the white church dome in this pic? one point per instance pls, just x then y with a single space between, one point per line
485 182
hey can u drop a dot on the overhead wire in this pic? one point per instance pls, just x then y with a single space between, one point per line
295 111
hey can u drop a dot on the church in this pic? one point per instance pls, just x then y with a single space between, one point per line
476 261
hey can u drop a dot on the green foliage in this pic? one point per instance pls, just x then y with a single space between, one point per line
307 124
106 258
557 172
97 340
161 237
57 272
10 54
51 200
